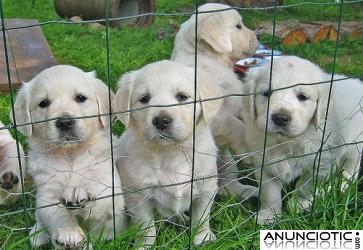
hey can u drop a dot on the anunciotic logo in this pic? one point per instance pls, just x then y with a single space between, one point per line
310 239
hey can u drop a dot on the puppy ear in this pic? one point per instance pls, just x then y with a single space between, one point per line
122 100
249 104
102 99
206 90
321 105
212 31
22 110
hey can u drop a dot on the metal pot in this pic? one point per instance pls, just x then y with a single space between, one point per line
95 9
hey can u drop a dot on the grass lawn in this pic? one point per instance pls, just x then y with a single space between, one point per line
131 48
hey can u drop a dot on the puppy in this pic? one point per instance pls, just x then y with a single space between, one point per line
156 156
295 121
221 40
10 179
69 156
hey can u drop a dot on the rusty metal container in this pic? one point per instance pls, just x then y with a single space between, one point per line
95 9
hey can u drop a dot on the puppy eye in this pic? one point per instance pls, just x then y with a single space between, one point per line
181 97
80 98
267 93
239 26
302 97
144 99
44 103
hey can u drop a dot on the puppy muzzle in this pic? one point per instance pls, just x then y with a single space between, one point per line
280 124
162 122
281 119
66 127
163 127
65 124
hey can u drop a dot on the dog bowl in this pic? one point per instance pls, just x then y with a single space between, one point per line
251 62
243 65
267 53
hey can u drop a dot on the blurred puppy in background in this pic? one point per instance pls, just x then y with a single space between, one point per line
221 40
10 177
69 156
298 101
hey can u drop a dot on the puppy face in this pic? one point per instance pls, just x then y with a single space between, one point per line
62 94
225 32
292 109
163 84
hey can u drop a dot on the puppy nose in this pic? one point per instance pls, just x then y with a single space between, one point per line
280 119
65 123
162 122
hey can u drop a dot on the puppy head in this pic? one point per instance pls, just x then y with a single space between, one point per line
164 86
292 109
224 33
62 94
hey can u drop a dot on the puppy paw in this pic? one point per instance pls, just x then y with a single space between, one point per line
300 203
74 198
266 216
38 238
203 236
69 238
9 180
182 219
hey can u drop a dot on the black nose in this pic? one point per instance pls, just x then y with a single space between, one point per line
65 124
280 119
162 122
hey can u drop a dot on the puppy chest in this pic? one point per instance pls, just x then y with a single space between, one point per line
165 200
71 171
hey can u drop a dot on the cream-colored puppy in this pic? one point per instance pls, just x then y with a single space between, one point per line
69 155
156 160
221 40
10 179
295 123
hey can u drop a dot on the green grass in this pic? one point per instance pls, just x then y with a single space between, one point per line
131 48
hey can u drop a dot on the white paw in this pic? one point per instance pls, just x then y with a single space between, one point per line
300 203
203 236
75 197
69 238
39 237
182 219
249 191
266 216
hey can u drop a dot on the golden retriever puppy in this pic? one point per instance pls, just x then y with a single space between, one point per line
156 160
221 40
69 156
10 177
293 120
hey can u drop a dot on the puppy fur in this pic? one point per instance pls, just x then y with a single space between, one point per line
69 156
295 122
10 177
222 39
155 160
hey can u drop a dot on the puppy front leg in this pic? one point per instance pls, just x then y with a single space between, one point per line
351 162
229 181
61 225
304 189
270 199
200 219
142 214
